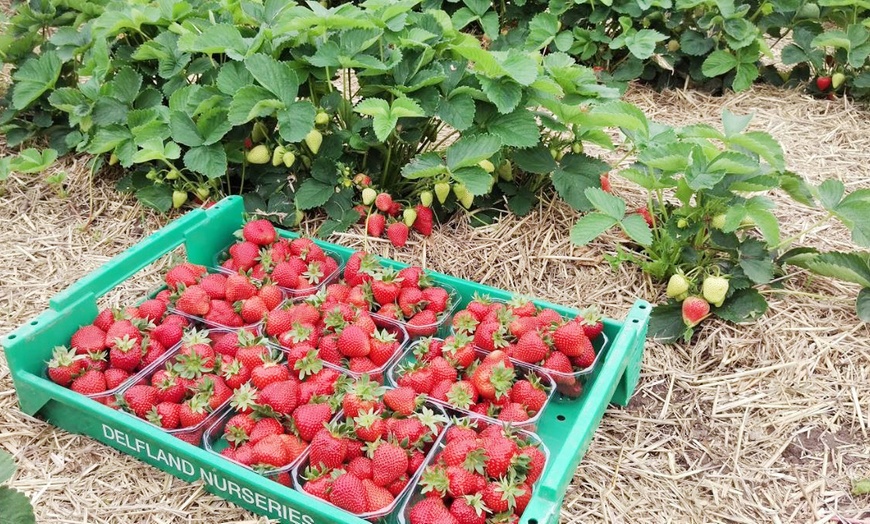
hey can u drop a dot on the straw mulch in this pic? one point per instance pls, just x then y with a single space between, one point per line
760 423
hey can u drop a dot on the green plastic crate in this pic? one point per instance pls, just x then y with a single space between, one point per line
566 427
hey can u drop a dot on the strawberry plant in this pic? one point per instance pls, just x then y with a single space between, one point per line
16 506
712 234
286 104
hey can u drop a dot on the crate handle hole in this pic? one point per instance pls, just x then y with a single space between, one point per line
533 521
34 323
642 306
560 418
12 336
635 321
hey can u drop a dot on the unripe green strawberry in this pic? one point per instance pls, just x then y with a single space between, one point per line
409 216
113 159
368 196
299 216
718 221
173 174
202 192
313 140
506 171
673 45
682 223
289 158
259 133
486 165
678 287
714 290
837 79
278 156
442 191
178 198
577 148
321 118
259 155
426 198
463 195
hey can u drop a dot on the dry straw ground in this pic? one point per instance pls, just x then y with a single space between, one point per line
760 423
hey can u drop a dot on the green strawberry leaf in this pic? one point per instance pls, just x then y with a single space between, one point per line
637 229
7 466
158 197
16 507
34 77
610 205
590 226
745 305
666 322
863 307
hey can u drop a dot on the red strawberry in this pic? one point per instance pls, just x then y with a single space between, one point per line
423 324
513 412
469 509
424 220
166 415
141 398
63 366
348 493
559 363
182 274
438 299
383 346
272 451
238 429
431 510
384 202
647 216
461 481
360 467
88 339
695 309
397 232
309 419
500 452
115 377
214 285
529 393
570 339
245 255
402 400
530 348
420 380
328 448
823 83
167 334
194 301
591 322
126 354
152 310
375 225
391 461
408 300
354 342
260 232
254 310
386 290
239 287
264 428
377 498
605 183
105 319
90 383
281 396
271 296
193 412
537 460
319 487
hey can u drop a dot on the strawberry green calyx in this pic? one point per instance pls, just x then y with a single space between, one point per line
433 421
434 479
244 398
314 273
460 396
502 379
310 364
475 461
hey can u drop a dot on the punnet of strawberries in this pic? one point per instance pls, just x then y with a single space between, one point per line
408 296
103 355
277 413
453 372
183 390
299 266
479 474
340 332
364 461
564 348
